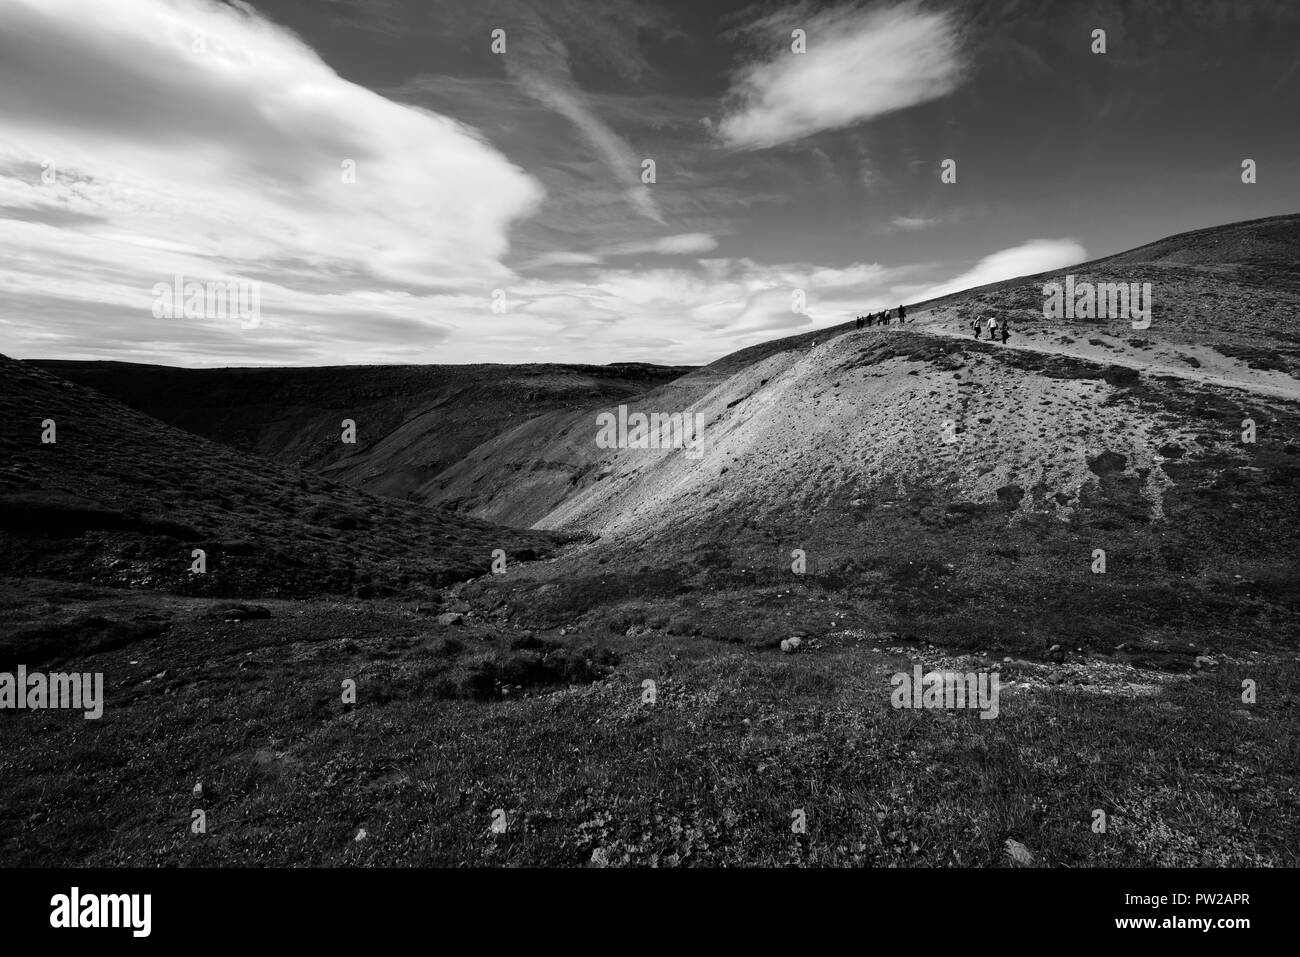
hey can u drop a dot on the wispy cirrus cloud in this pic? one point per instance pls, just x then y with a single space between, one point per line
913 222
537 59
859 64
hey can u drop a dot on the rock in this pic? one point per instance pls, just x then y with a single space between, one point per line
450 618
791 645
1107 462
234 611
361 835
1054 648
1010 495
198 790
1018 853
1204 661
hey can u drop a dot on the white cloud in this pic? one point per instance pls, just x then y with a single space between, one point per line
858 65
1035 256
197 138
684 244
912 222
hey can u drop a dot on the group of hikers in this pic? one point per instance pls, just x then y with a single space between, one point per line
993 326
881 318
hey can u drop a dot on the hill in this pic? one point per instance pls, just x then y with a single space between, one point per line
412 422
120 498
1080 512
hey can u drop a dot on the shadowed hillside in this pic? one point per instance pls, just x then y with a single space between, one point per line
121 498
412 421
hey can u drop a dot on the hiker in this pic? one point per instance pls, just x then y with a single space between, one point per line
857 321
993 328
902 314
976 324
1005 332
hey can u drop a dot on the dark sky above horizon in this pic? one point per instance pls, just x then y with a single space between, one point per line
148 139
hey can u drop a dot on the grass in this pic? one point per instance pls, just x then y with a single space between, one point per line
737 740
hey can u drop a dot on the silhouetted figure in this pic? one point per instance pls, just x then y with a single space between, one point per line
857 321
976 325
902 314
993 328
1005 332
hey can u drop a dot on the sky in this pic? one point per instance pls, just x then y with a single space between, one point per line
455 181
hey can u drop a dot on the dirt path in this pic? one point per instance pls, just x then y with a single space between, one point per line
1214 366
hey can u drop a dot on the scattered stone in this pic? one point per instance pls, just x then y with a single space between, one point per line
234 611
451 618
791 645
198 790
1018 853
1107 462
1205 661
